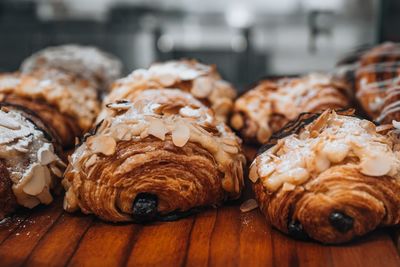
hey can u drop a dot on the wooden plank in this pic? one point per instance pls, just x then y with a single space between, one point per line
162 244
17 247
60 242
105 245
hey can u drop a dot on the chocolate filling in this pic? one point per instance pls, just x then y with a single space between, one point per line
341 221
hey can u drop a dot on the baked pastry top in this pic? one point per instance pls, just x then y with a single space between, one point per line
332 180
73 100
86 62
266 108
202 81
28 158
374 78
177 153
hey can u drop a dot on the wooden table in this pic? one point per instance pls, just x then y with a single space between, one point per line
47 236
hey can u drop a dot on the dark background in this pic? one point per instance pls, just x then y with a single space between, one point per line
246 39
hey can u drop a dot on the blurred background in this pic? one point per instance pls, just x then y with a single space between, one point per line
247 39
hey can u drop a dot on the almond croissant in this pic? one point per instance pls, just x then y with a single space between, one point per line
266 108
67 104
202 81
85 62
155 156
329 177
29 164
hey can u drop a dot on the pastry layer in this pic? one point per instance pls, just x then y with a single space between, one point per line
333 180
86 62
176 152
266 108
202 81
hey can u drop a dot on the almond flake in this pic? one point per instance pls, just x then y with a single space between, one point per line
36 182
180 134
248 205
157 129
202 87
102 144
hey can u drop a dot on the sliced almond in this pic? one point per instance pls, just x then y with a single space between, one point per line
288 187
248 205
56 171
202 87
102 144
322 163
70 201
367 125
376 165
92 160
45 154
190 112
230 149
319 123
157 128
396 124
336 151
266 169
8 122
121 105
253 175
45 197
36 182
166 79
180 134
385 127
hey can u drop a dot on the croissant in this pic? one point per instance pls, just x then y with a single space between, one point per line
67 104
202 81
376 82
86 62
152 159
330 177
173 99
266 108
29 164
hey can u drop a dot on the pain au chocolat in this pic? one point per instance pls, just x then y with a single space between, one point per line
271 104
202 81
330 177
164 153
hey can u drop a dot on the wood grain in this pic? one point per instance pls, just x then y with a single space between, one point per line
47 236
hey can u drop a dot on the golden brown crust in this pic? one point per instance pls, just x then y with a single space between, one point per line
371 203
69 94
376 82
7 199
173 152
61 126
86 62
181 178
272 103
340 191
202 81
